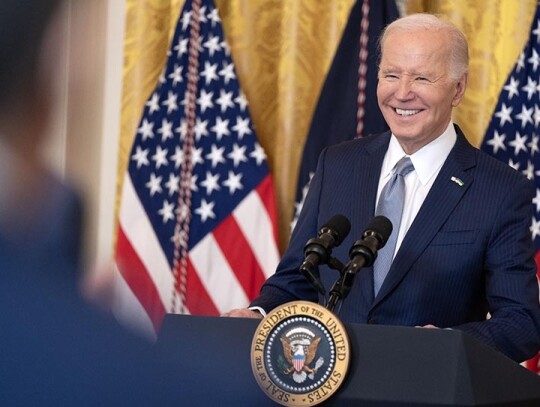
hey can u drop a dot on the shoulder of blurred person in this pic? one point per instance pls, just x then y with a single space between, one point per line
56 350
41 217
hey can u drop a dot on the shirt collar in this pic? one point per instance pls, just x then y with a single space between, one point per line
428 160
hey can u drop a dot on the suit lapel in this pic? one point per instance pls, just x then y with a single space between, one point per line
438 206
366 181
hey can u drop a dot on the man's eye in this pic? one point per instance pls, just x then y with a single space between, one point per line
422 79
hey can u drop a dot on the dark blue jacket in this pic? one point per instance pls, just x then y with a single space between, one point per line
468 252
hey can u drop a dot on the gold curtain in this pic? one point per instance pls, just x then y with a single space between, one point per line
497 31
282 50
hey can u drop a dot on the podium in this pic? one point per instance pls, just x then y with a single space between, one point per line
390 366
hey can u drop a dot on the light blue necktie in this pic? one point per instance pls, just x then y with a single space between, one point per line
391 205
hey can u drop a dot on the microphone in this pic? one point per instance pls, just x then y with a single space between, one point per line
317 250
364 252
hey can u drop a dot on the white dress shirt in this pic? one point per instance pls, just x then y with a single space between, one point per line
427 163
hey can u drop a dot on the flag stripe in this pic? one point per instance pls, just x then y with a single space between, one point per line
533 364
258 233
135 224
201 303
268 198
266 192
216 275
128 309
135 275
239 256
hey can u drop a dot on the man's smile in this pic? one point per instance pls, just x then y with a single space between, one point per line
406 112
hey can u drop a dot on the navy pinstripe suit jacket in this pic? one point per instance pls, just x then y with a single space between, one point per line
467 253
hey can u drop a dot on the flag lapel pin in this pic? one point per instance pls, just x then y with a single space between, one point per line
457 181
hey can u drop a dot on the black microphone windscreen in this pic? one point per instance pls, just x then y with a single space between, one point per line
340 225
382 226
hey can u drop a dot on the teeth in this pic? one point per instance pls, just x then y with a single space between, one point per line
404 112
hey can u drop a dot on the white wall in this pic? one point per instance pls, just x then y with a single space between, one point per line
83 143
110 127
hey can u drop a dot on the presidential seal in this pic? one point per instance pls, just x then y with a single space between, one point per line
300 354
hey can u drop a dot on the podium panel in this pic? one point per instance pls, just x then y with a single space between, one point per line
390 366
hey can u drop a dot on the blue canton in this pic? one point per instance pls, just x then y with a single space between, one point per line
513 132
228 161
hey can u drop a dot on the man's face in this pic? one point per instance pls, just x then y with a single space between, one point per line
415 91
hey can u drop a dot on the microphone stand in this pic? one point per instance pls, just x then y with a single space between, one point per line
335 264
340 289
363 253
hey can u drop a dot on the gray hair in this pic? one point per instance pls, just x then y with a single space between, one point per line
459 52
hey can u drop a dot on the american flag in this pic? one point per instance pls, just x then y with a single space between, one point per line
513 133
197 224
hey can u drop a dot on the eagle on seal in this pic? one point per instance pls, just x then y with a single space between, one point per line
300 356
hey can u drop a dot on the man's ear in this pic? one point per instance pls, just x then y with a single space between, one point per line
461 85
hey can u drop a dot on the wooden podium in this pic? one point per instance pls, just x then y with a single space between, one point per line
390 366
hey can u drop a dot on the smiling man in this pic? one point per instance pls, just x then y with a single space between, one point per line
422 77
460 248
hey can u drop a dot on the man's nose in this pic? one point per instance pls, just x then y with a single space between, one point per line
404 89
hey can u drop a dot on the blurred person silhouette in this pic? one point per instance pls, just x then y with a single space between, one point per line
39 215
55 350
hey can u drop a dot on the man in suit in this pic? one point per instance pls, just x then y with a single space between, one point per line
463 246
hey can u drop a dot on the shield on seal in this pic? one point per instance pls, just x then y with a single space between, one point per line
299 359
